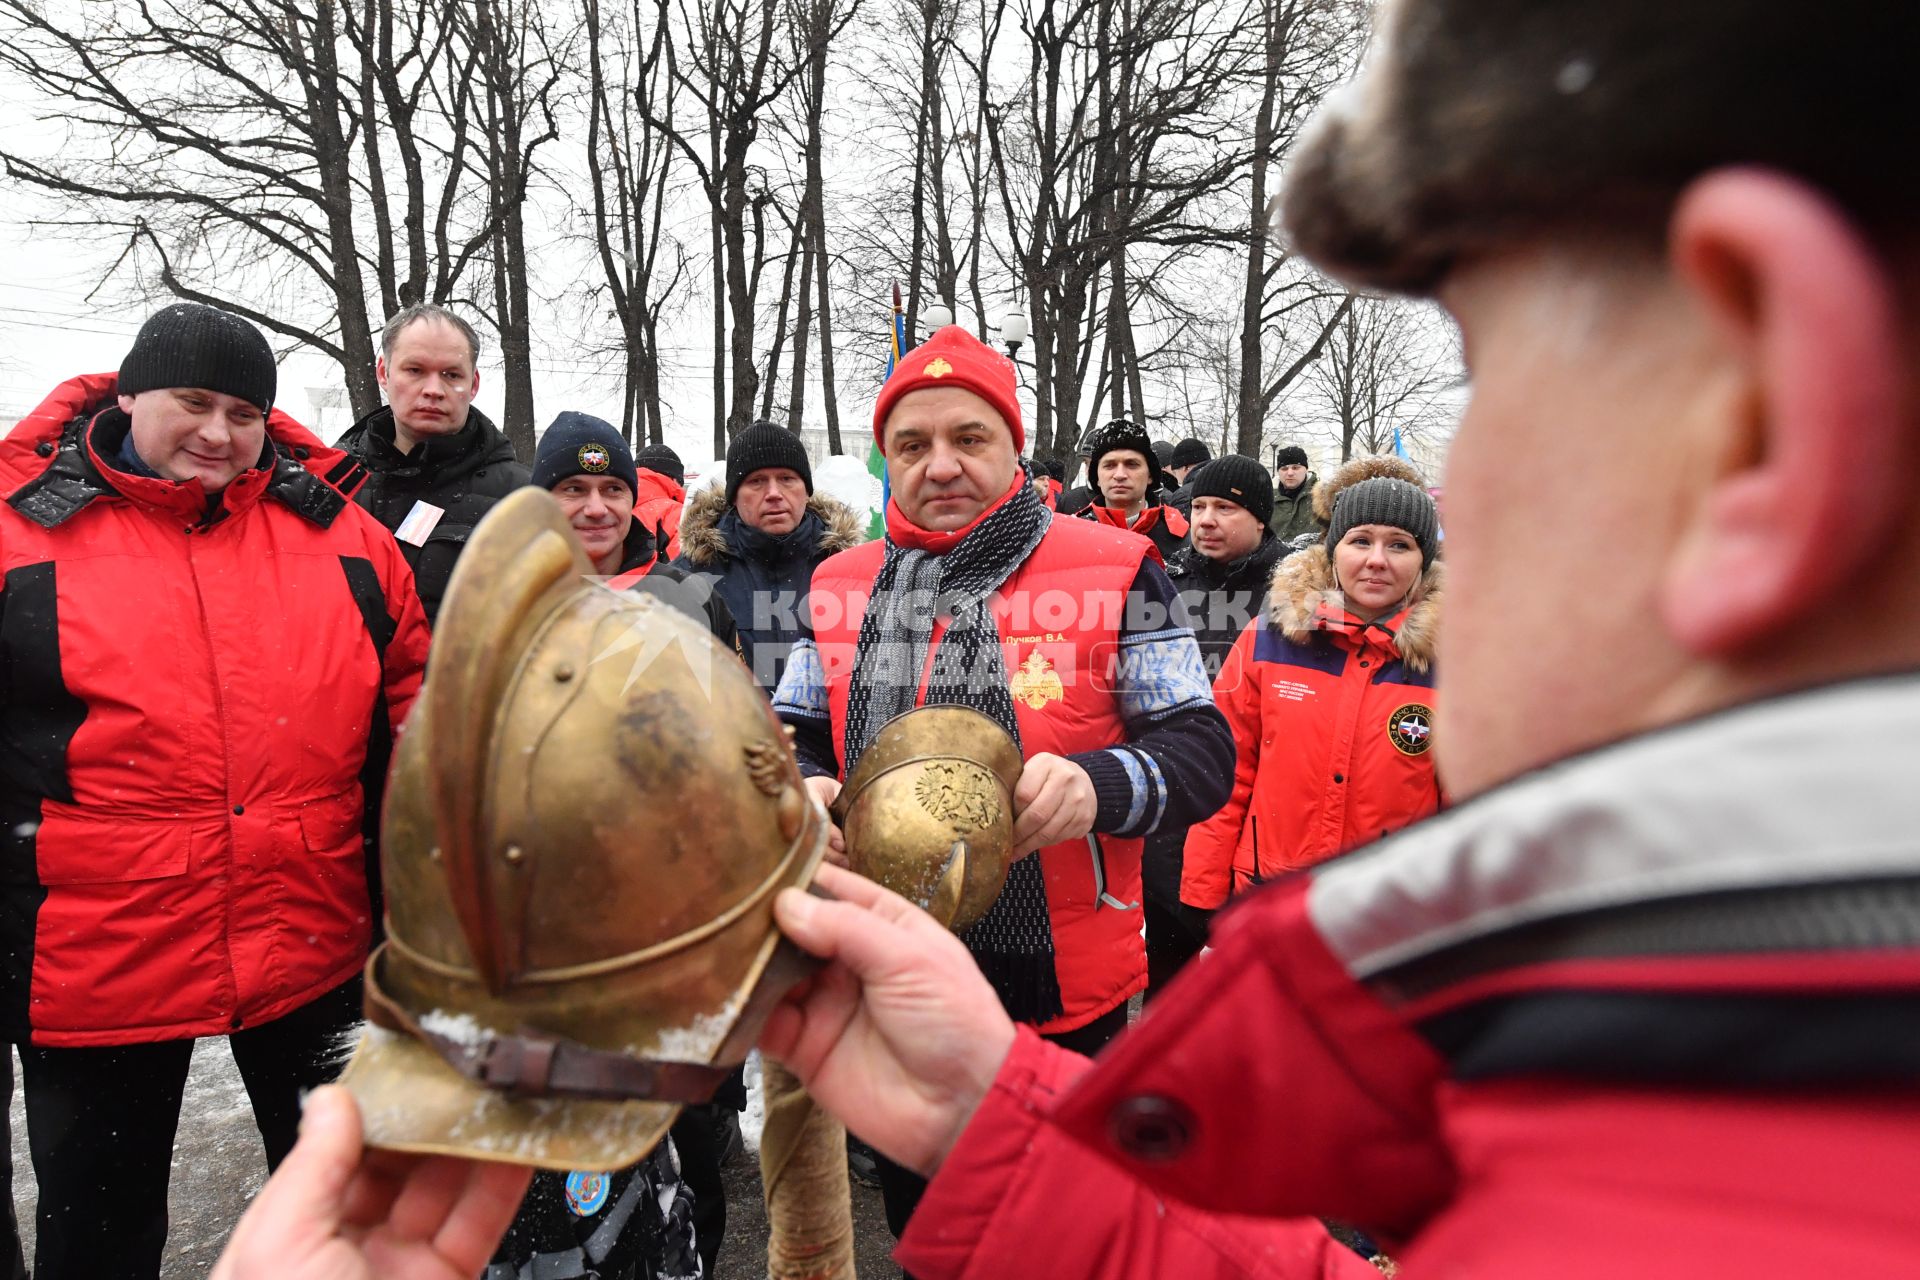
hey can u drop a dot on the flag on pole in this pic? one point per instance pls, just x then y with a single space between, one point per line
1399 448
877 461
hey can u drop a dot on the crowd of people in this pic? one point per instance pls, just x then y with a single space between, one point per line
1624 986
194 874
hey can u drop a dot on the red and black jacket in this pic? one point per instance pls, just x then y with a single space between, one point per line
194 701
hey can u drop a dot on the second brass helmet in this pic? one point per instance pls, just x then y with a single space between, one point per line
928 811
591 810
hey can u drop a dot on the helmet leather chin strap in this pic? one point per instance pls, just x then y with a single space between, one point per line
530 1064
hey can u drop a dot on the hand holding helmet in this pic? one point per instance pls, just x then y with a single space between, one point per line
899 1035
336 1210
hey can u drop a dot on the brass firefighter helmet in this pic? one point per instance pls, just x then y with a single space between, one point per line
590 812
928 811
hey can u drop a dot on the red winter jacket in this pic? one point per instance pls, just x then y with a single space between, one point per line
1332 727
657 504
189 703
1647 1013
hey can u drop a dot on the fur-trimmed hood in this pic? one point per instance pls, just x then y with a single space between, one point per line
1304 581
1352 473
703 546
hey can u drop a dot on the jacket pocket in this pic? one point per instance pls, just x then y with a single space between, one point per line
333 826
73 850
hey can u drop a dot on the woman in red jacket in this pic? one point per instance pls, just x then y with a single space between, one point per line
1331 694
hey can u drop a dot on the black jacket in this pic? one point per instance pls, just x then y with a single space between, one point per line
1181 499
764 579
1219 600
462 474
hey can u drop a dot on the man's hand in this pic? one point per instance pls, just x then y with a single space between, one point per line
826 790
900 1037
335 1211
1054 801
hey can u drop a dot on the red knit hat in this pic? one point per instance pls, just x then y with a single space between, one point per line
953 357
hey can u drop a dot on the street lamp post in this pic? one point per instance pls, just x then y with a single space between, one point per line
936 317
1013 332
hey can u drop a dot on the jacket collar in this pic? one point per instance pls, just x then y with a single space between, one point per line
82 470
1805 788
1250 570
904 533
475 443
749 543
1142 523
639 551
705 544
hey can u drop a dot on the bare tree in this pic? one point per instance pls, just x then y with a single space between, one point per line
1389 365
732 66
241 163
518 75
1080 186
629 167
1306 47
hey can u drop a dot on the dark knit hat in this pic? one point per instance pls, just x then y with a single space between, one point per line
765 444
190 345
581 444
1289 455
1237 478
1163 451
661 460
1121 433
952 357
1056 466
1190 453
1389 501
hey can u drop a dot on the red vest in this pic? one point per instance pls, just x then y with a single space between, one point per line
1059 617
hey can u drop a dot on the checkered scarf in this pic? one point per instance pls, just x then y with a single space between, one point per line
1013 942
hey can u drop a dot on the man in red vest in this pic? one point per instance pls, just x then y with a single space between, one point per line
1061 630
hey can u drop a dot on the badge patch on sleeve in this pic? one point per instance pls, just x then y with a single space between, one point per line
1411 728
587 1193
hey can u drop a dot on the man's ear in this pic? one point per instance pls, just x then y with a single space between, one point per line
126 404
1812 476
380 371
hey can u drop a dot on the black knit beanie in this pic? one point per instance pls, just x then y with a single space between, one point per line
581 444
1163 452
1291 455
190 345
1122 434
1190 453
1239 479
1384 500
662 461
765 444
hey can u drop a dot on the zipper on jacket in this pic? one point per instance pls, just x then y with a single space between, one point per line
226 767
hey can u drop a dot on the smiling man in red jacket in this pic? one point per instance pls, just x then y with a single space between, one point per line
204 646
